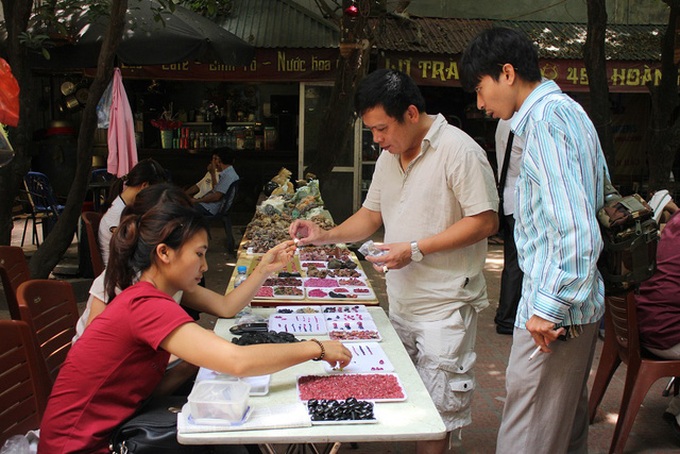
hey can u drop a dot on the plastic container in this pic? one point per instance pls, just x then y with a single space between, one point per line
219 399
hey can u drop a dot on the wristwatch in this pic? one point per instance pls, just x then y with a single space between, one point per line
416 255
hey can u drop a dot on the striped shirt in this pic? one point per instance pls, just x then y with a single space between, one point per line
558 193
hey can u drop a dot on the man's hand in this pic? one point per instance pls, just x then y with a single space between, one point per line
398 256
543 331
305 232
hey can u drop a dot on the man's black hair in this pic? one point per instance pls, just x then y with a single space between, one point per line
394 91
226 154
486 54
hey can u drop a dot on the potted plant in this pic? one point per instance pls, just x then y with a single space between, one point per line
167 123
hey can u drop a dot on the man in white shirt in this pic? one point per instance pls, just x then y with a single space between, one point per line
208 182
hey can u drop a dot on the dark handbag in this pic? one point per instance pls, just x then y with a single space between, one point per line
153 429
630 235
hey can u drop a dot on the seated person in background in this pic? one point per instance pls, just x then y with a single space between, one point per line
208 182
658 304
123 192
200 298
120 360
210 203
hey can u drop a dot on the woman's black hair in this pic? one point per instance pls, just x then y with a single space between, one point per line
394 91
161 213
486 54
145 171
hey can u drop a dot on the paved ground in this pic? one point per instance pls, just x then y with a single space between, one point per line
649 435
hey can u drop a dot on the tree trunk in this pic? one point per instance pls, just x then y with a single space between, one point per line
352 66
665 127
339 118
58 241
594 59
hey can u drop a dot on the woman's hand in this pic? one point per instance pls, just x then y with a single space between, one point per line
336 354
277 257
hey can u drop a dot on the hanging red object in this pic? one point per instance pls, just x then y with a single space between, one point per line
9 96
352 11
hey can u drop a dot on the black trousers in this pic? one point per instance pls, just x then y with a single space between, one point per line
511 279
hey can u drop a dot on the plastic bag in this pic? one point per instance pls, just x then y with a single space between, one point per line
369 249
16 444
104 107
9 96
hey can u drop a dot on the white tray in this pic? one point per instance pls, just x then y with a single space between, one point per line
366 357
326 309
344 422
306 309
278 297
348 317
300 324
359 335
350 294
351 325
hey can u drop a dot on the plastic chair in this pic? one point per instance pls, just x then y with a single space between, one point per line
23 389
42 200
622 344
26 215
91 219
100 183
49 307
224 214
13 272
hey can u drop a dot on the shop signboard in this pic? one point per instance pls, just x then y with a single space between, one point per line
570 75
269 65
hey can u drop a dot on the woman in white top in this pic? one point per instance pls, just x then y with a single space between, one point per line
123 192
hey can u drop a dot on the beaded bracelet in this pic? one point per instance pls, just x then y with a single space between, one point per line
323 350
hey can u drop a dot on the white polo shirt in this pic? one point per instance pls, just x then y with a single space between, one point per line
451 178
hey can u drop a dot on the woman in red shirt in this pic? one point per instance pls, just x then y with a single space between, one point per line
122 355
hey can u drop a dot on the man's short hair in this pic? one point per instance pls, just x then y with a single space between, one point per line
225 154
486 54
394 91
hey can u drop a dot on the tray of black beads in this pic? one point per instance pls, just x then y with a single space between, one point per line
349 411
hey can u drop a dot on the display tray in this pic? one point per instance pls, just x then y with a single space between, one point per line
359 335
344 422
335 273
366 357
324 283
293 266
302 324
298 309
283 282
280 292
326 309
348 317
339 293
385 387
351 325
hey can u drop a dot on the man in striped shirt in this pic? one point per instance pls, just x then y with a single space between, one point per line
557 195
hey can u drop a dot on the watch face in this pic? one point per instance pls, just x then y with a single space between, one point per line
416 255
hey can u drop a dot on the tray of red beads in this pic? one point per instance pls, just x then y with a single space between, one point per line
378 387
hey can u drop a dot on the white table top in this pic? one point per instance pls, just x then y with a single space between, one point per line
416 418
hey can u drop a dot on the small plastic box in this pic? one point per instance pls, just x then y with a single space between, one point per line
219 399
